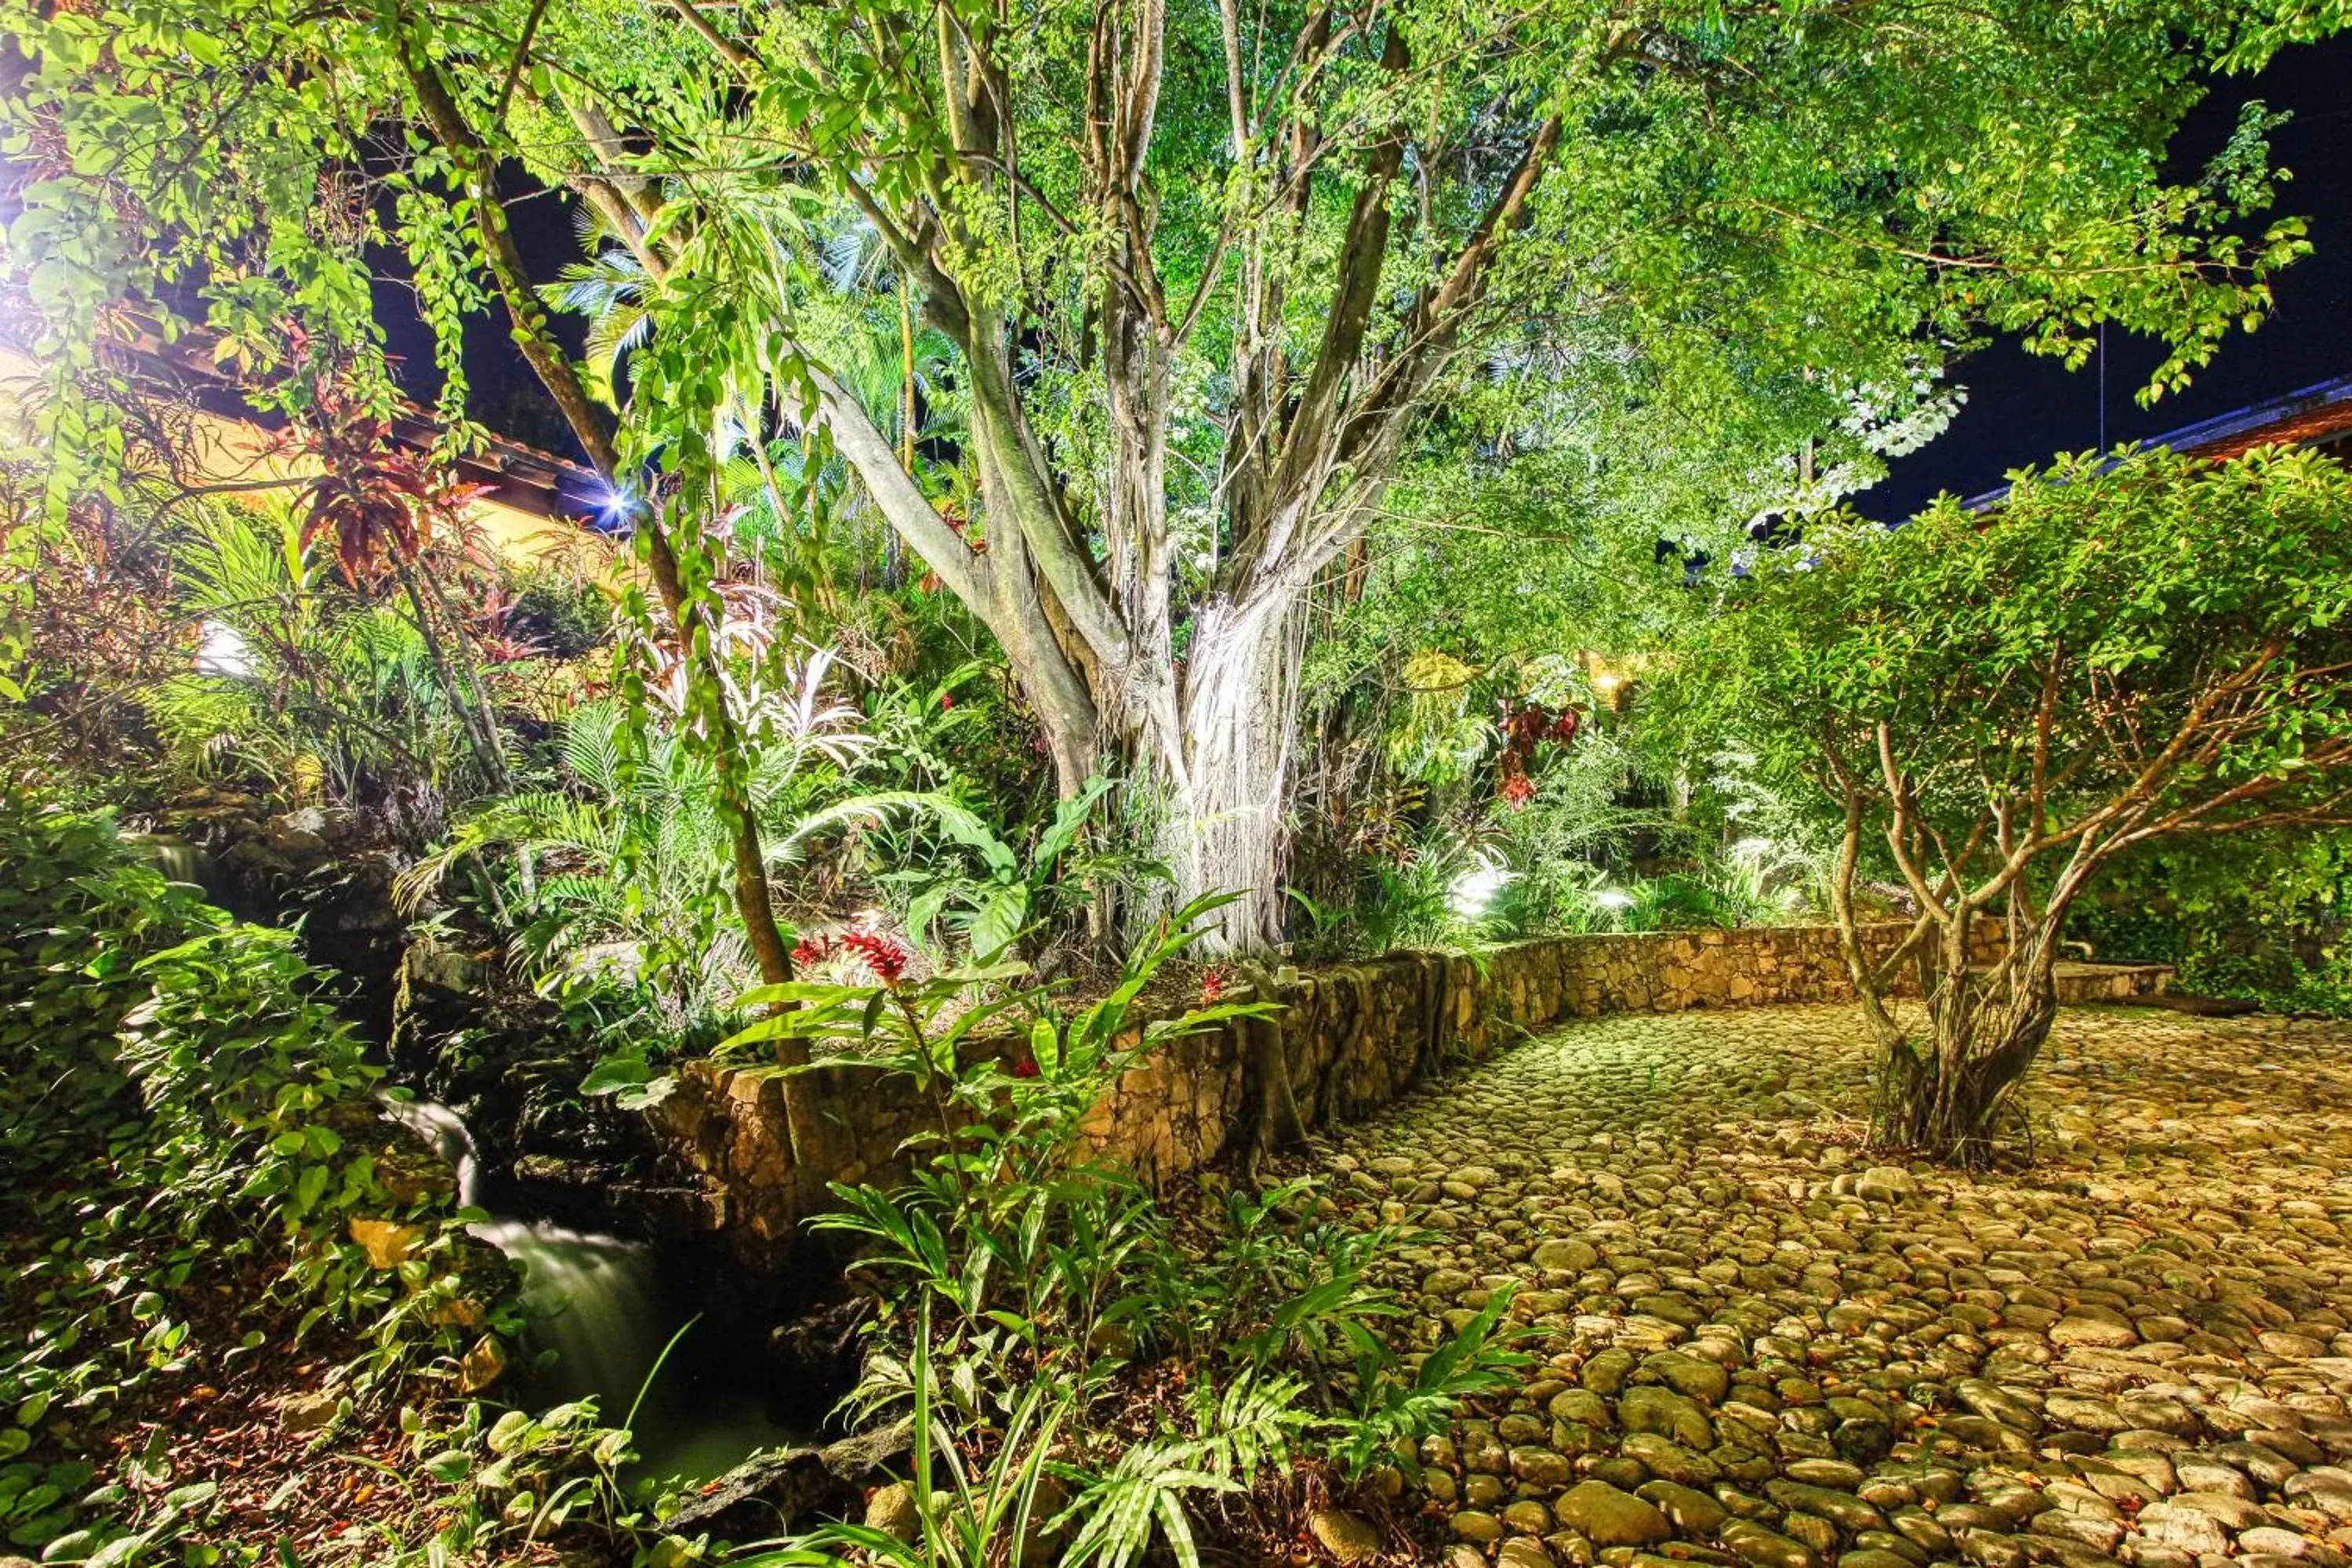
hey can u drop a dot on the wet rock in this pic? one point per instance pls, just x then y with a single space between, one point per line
1572 1255
1842 1508
1764 1548
1527 1517
1523 1551
769 1493
1473 1525
1540 1466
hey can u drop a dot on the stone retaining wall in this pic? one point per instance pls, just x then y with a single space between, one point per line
1354 1037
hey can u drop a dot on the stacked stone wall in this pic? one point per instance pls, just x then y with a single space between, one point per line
1355 1036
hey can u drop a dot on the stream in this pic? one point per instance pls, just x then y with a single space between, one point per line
606 1308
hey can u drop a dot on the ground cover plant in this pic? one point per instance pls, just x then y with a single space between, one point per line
194 1158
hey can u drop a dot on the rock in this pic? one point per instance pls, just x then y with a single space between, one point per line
2271 1541
891 1510
1523 1551
1754 1544
1692 1512
1670 1460
1606 1373
1471 1525
1884 1183
2085 1413
2200 1474
2188 1529
2266 1464
1868 1558
1862 1442
1608 1517
1820 1472
2231 1512
1527 1517
1348 1537
1582 1406
1842 1509
1539 1467
1687 1374
1571 1254
1669 1415
2101 1535
768 1493
2106 1333
1819 1535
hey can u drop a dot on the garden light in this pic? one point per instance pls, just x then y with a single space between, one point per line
1469 894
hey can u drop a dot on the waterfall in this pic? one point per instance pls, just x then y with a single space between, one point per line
597 1302
179 861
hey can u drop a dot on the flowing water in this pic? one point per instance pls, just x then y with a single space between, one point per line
599 1303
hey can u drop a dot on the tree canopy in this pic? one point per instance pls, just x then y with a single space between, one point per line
1206 281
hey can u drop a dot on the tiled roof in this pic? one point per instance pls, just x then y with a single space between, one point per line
2315 414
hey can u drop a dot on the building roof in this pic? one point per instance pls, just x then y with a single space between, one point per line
536 483
2319 414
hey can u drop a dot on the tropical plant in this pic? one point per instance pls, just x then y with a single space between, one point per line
2001 705
315 690
1015 1258
990 893
623 870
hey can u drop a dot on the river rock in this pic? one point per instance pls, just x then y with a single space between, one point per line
1608 1517
2000 1368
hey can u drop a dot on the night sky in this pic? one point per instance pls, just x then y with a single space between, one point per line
2020 409
2023 410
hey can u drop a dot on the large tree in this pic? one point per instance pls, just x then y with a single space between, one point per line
1206 270
1991 709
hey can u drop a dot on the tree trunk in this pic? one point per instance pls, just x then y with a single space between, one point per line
1945 1095
1221 825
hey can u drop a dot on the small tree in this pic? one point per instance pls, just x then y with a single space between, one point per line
1998 705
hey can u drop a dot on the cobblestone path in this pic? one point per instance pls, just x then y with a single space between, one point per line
1754 1346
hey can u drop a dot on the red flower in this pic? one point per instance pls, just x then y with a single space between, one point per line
1519 789
1213 984
885 958
1025 1068
947 699
813 950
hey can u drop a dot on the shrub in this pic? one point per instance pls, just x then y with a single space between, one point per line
180 1112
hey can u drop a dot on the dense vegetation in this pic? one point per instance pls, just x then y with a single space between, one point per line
1082 509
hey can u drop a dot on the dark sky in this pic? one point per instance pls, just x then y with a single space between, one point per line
2022 409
